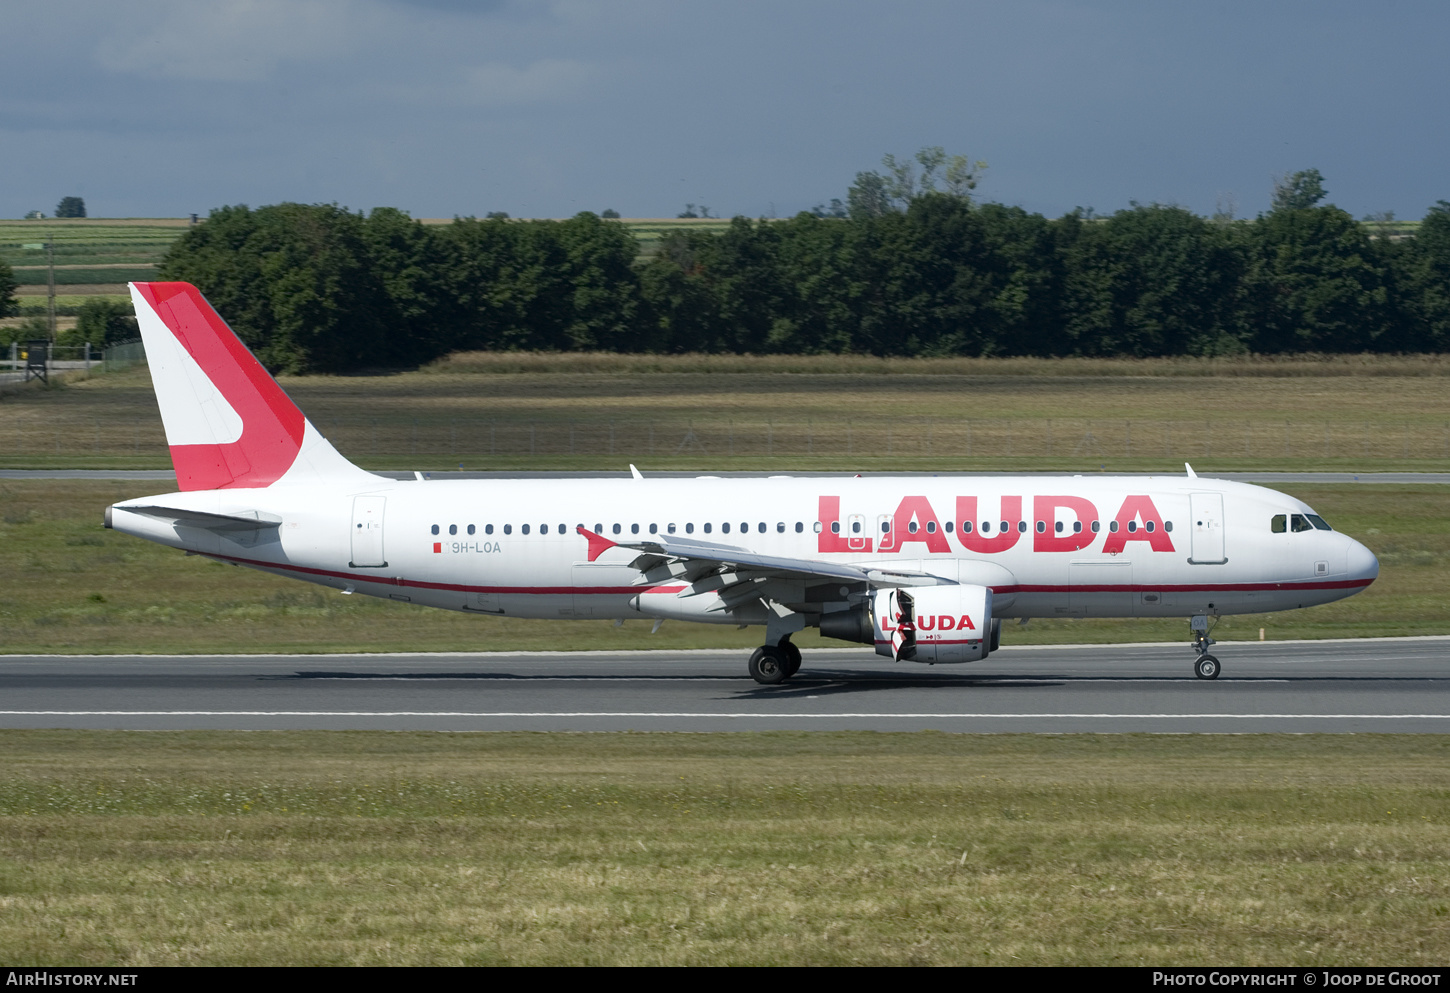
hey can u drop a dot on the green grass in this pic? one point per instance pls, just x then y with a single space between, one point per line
90 241
88 276
298 848
145 241
69 586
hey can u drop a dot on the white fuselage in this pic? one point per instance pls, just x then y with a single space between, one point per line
1079 546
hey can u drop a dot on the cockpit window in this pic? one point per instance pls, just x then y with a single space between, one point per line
1298 522
1279 523
1320 524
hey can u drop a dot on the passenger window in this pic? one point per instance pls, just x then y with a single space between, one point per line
470 529
706 526
617 529
780 527
799 527
1149 526
931 527
654 529
634 529
1320 524
1021 527
911 527
1006 526
744 527
453 529
1167 525
524 529
1077 527
1041 527
816 527
966 527
885 527
835 527
1298 523
670 528
762 527
1132 527
689 529
725 528
543 529
1113 527
1096 526
948 526
508 529
435 529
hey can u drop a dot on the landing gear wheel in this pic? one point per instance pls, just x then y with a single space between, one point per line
1206 667
768 666
792 658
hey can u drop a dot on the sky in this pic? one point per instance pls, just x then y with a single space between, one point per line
162 108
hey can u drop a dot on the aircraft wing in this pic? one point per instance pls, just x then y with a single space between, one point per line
709 566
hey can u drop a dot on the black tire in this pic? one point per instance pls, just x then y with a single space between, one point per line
768 666
1206 667
792 658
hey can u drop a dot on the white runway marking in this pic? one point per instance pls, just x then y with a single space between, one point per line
686 713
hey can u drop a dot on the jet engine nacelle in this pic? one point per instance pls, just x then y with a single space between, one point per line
933 623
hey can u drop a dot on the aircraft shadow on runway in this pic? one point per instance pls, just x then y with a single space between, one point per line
814 677
831 682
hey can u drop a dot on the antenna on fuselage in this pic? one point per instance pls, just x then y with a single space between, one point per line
1191 473
635 472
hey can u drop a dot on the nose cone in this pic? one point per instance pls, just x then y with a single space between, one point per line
1362 565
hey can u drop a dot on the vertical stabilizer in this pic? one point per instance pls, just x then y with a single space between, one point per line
228 423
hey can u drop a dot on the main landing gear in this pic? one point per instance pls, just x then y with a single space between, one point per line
772 664
1205 666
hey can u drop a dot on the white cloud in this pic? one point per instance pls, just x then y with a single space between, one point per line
232 40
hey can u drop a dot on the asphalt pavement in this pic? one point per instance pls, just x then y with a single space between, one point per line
1358 686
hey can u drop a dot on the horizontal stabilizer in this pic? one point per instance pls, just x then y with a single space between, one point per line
246 520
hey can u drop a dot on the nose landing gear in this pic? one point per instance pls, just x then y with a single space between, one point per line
1205 666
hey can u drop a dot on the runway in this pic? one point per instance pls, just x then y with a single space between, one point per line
1369 685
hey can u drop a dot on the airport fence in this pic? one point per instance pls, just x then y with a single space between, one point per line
85 356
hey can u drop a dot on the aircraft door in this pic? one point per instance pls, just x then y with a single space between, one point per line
857 540
1206 509
367 532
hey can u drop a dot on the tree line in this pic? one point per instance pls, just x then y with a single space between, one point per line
318 288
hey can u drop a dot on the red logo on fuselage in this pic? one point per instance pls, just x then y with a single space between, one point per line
1061 523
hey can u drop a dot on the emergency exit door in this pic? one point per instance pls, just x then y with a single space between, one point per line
367 532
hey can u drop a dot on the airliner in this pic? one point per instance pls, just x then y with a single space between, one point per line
925 570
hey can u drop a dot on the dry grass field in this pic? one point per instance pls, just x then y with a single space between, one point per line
842 413
733 849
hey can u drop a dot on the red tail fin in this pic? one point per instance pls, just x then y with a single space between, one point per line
227 421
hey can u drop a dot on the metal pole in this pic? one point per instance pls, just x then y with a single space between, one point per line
50 298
